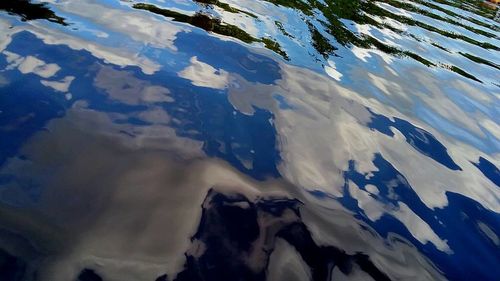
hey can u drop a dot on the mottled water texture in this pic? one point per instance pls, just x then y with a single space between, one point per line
249 140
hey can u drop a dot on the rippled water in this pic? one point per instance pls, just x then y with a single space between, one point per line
249 140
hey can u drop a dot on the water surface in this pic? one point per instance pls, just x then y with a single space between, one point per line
249 140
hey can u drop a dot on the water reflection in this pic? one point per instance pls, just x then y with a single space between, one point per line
31 11
169 140
214 25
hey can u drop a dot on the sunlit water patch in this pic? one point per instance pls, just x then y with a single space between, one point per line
249 140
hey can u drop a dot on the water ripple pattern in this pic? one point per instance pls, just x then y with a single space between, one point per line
252 140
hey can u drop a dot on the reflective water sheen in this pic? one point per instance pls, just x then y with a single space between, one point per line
249 140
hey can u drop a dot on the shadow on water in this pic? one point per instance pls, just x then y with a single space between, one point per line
88 275
229 243
12 268
231 227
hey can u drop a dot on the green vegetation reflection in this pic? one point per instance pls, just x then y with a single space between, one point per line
226 7
29 11
371 13
214 25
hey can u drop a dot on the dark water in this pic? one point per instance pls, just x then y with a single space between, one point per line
249 140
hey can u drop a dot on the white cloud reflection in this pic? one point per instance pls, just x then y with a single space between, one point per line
124 87
328 127
30 64
204 75
129 197
60 86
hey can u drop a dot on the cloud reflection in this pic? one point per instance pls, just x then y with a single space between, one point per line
164 126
